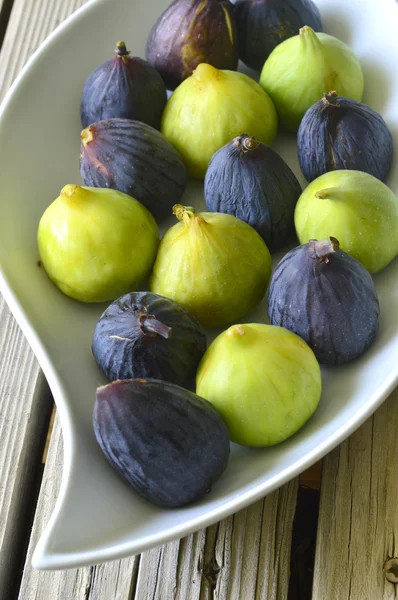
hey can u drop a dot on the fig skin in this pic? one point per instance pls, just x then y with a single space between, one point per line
339 133
301 69
135 159
212 107
191 32
123 87
263 25
144 335
250 181
96 244
357 209
167 443
213 264
326 297
264 381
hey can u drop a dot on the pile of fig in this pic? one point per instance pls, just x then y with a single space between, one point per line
179 391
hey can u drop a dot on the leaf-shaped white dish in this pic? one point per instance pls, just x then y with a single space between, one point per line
97 517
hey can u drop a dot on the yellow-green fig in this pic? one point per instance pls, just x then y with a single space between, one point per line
97 244
213 264
357 209
264 382
212 107
303 68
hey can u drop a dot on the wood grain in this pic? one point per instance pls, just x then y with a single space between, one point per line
245 556
358 519
25 400
5 11
31 21
103 582
25 405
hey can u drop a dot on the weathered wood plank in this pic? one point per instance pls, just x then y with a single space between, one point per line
30 23
5 11
103 582
248 554
25 405
245 556
25 400
358 519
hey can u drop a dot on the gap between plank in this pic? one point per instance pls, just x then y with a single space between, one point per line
25 495
5 13
302 558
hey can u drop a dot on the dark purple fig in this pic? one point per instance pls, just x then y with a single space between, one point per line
146 335
326 297
133 158
123 87
263 24
169 444
191 32
339 133
247 179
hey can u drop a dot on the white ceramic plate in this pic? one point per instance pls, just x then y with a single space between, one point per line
97 517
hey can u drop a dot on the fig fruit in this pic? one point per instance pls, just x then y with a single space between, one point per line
339 133
357 209
123 87
263 24
247 179
191 32
96 244
213 264
167 443
146 335
326 297
210 108
301 69
264 381
135 159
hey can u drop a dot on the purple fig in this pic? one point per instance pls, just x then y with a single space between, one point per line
191 32
264 24
145 335
327 298
123 87
251 181
169 444
133 158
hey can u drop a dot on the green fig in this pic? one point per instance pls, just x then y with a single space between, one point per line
264 382
357 209
212 107
303 68
214 265
97 244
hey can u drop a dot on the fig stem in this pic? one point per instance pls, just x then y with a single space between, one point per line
305 30
330 99
322 194
74 193
150 324
179 211
121 49
236 330
187 214
249 143
324 248
87 135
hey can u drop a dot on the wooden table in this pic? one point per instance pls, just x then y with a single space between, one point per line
329 535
